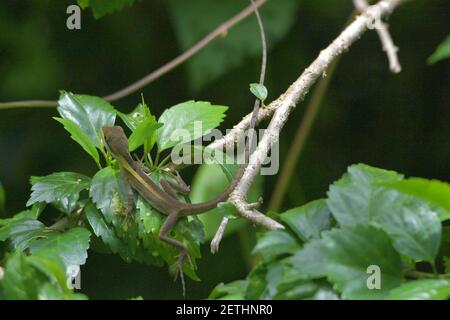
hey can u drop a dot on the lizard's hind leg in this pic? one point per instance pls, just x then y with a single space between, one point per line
163 236
172 188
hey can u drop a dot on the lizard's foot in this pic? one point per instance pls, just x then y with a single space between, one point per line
179 269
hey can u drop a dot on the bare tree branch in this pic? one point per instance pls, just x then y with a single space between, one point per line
281 107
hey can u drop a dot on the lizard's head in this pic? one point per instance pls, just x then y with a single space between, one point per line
115 140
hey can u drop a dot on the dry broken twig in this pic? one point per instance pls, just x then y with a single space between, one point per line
387 43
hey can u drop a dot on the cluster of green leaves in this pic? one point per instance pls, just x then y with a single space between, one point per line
371 217
94 208
38 257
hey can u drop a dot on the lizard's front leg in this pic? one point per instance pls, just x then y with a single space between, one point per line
163 236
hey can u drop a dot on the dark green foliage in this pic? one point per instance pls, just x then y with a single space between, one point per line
103 208
363 223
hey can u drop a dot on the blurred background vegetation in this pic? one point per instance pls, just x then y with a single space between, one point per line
368 115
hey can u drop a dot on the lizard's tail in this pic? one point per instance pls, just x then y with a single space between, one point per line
196 208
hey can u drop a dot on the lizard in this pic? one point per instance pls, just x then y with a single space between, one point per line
163 199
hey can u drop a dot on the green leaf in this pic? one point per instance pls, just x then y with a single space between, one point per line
144 131
279 280
107 193
71 245
104 231
257 282
88 113
20 281
414 228
57 187
102 7
31 214
49 292
275 243
189 231
310 220
38 276
442 52
191 23
273 278
68 204
293 285
360 198
135 117
350 199
81 138
433 191
188 121
343 256
299 290
21 232
426 289
285 283
259 91
231 291
152 221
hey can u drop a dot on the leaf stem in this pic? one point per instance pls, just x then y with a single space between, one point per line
158 154
164 161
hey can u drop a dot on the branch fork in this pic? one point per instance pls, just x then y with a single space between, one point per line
282 107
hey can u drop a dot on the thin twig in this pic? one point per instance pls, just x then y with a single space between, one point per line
387 43
262 75
164 69
215 242
282 107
